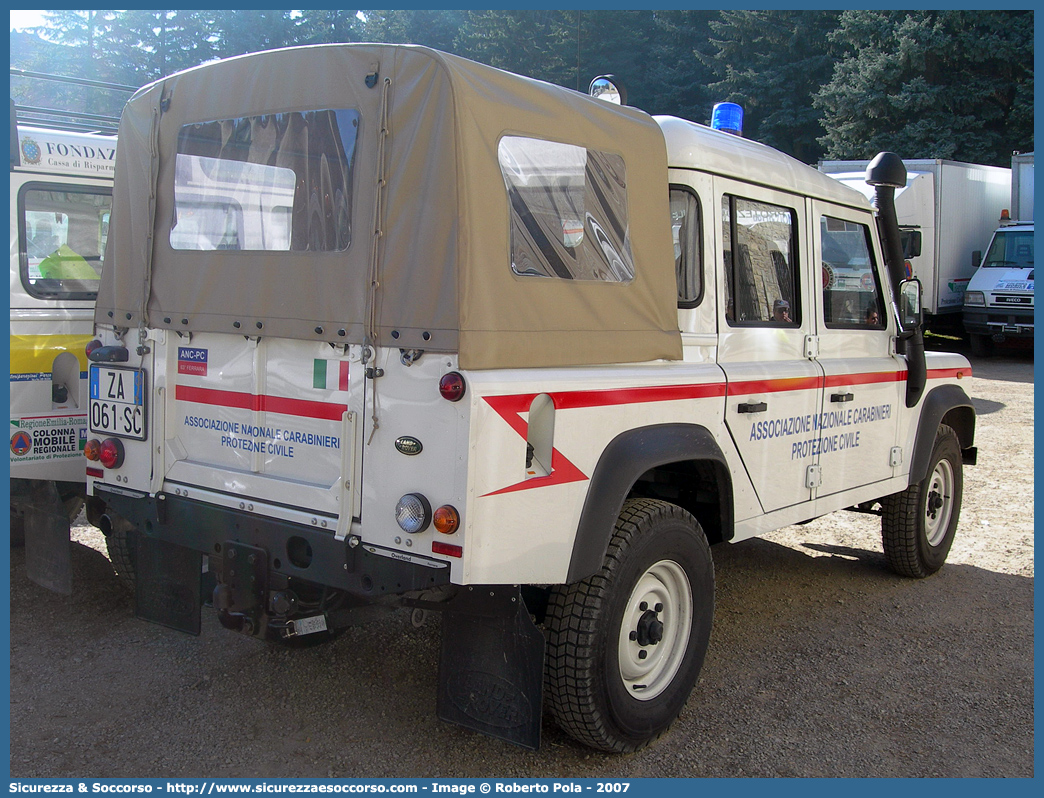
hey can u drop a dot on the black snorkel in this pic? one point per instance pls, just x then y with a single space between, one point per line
886 173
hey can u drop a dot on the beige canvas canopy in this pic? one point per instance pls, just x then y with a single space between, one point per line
428 265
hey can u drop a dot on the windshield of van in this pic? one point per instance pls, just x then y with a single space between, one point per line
278 182
1010 249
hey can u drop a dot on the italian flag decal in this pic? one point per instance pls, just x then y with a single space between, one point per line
331 375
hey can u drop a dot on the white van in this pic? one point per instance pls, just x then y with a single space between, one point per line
512 354
61 196
998 305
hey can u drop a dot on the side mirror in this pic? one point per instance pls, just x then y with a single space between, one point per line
910 304
608 88
976 258
911 240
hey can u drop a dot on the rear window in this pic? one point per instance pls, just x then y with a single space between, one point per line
278 182
568 211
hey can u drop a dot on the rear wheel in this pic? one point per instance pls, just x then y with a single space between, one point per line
17 528
918 524
626 645
71 498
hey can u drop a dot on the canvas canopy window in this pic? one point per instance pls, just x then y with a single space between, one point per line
568 211
268 182
396 226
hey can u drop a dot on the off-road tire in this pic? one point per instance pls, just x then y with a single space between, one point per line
981 345
658 553
919 523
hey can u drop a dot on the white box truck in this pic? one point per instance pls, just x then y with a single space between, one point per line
946 214
998 306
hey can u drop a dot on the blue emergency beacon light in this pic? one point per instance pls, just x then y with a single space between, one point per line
728 117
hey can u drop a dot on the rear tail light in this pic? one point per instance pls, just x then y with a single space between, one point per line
112 453
448 549
91 346
446 519
452 386
413 513
92 449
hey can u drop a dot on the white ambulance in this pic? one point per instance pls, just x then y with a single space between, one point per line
382 327
61 194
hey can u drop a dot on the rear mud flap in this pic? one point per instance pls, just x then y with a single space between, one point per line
491 667
167 584
48 551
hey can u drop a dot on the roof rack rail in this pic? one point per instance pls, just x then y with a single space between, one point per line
59 119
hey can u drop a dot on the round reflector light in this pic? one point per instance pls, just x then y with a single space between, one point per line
92 449
446 519
452 386
413 513
111 454
91 346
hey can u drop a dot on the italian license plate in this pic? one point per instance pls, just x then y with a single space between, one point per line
117 402
307 626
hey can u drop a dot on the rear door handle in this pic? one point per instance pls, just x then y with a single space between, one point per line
841 397
753 407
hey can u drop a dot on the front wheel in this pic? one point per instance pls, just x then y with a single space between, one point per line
918 524
981 345
626 645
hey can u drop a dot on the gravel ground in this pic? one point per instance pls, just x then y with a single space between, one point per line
822 663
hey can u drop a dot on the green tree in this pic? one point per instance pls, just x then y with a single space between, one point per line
143 45
617 43
679 78
931 84
437 29
325 27
537 43
773 63
71 44
238 31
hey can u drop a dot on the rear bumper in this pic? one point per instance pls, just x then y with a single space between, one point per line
293 550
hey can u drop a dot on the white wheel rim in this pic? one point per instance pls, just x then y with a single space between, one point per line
938 507
647 668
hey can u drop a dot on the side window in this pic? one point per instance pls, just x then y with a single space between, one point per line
851 294
687 229
62 232
760 253
568 211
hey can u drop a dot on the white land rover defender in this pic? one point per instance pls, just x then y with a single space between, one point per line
382 327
